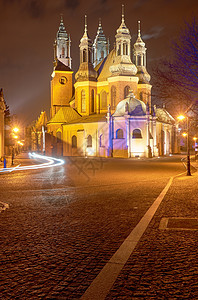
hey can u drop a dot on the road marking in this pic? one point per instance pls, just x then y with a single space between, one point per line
5 206
102 284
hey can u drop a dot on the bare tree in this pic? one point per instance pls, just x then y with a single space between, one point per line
175 81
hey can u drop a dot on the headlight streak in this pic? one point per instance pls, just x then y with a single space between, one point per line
51 162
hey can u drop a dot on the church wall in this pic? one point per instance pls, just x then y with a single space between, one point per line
102 87
87 87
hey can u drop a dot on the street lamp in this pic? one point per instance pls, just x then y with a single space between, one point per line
181 118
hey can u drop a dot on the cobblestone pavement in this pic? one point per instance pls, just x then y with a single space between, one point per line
63 224
164 265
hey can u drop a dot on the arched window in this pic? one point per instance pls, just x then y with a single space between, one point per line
102 54
58 136
84 55
119 134
89 141
83 101
92 101
101 140
103 100
113 96
139 60
89 58
141 96
119 50
63 52
126 91
74 141
125 49
137 134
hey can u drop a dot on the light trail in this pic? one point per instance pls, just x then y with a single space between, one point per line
51 162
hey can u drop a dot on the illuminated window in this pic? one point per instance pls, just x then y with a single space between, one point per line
103 100
113 97
83 101
92 100
74 141
126 91
137 134
58 136
89 141
119 134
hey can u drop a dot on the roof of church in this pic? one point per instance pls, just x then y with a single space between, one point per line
164 116
89 119
103 67
65 114
61 67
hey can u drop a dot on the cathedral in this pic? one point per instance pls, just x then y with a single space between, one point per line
106 109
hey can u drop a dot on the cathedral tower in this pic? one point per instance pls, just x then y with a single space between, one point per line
100 46
123 70
62 45
85 87
139 54
61 82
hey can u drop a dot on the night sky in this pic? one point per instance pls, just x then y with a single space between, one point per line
28 29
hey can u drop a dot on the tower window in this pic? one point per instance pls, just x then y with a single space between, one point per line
63 52
102 54
126 91
139 60
119 50
84 55
83 101
113 96
92 100
89 141
125 49
103 100
58 136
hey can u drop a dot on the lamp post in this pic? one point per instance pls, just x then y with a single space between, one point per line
181 117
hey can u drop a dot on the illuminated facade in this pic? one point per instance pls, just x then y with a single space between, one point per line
110 112
2 109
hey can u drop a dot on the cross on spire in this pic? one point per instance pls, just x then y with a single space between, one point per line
122 13
139 34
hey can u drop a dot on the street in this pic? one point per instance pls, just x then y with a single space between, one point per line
64 223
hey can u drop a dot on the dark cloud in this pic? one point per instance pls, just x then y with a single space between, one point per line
72 4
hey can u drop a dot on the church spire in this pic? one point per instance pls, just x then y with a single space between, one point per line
139 33
100 45
86 70
62 45
122 13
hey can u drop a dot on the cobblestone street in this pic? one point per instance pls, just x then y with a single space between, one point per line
64 224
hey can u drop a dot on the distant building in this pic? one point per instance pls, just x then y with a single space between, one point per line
108 111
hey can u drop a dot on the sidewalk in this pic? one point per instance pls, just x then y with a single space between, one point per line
164 265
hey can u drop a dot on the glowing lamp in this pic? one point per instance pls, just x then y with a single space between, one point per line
181 117
15 137
195 138
184 134
15 130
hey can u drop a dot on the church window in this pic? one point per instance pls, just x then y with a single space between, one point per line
125 49
103 100
89 56
84 55
119 50
102 54
58 136
126 91
113 97
63 52
83 101
92 100
74 141
141 95
119 134
89 141
101 140
139 60
137 134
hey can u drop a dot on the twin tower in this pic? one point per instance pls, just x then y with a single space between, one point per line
104 78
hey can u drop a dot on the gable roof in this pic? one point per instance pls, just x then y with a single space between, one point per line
64 115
